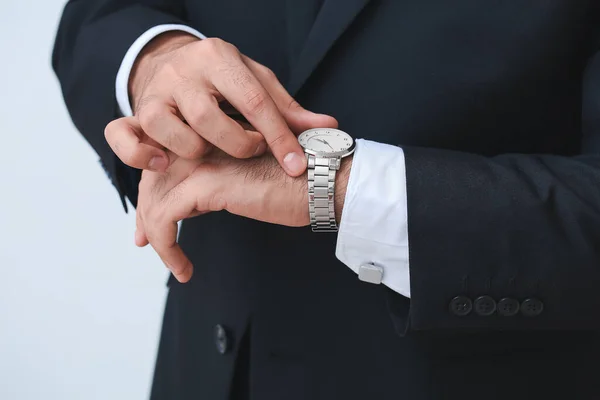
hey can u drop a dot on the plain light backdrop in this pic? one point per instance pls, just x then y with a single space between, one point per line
80 305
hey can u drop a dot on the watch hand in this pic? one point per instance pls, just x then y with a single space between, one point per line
325 141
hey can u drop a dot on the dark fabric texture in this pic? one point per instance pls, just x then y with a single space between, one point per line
497 107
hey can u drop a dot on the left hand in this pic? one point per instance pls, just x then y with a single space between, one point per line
255 188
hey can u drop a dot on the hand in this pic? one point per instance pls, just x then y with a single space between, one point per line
255 188
180 78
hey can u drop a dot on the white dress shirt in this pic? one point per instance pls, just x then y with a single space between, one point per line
374 226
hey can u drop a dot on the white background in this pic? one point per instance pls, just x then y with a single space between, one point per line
80 305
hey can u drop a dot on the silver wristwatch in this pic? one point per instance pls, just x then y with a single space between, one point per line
324 149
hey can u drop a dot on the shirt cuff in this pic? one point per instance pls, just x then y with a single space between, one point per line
122 81
374 224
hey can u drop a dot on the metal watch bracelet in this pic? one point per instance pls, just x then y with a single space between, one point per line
321 192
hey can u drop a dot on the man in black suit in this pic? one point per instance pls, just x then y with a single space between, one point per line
482 226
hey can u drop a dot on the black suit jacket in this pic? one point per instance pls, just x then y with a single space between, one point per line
497 107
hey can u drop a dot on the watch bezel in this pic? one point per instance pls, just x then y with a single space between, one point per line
341 153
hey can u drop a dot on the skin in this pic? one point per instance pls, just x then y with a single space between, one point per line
255 188
196 158
183 91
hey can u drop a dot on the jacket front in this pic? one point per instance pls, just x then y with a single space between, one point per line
497 107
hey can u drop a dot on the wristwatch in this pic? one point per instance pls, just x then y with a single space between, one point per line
324 149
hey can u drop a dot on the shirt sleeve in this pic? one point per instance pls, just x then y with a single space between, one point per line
122 81
374 224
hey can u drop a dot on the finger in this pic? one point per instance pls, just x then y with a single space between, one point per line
177 173
140 234
297 117
245 92
245 125
186 200
125 137
202 112
197 213
183 201
161 124
164 242
161 228
154 183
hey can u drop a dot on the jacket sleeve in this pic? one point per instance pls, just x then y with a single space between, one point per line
524 229
92 39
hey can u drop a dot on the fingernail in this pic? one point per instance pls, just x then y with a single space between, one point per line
294 163
157 163
260 149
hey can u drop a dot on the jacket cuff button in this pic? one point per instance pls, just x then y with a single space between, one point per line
532 307
508 307
461 306
485 306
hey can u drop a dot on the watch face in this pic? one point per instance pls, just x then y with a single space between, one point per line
326 142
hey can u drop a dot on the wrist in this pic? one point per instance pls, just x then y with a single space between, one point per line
341 184
145 64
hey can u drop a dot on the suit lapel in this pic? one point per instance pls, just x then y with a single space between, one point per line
300 17
333 19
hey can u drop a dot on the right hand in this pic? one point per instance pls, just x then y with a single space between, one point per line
180 78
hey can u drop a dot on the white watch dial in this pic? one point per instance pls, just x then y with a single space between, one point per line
326 141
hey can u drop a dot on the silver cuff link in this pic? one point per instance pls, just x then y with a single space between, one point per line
370 273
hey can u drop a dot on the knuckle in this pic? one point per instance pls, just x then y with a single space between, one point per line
199 115
294 106
143 102
255 101
214 46
212 42
226 47
277 140
268 72
216 202
149 115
